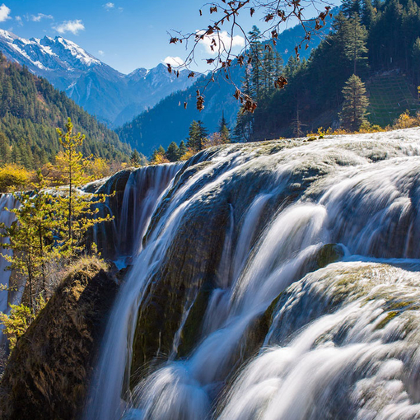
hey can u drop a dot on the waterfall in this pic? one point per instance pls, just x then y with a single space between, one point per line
136 196
141 195
278 281
7 201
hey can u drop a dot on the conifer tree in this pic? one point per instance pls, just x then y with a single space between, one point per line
368 13
224 130
4 149
196 135
32 238
272 68
415 53
135 159
355 104
77 209
256 52
172 152
350 7
355 43
244 120
292 67
182 149
159 156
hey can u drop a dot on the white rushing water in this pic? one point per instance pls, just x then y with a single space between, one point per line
342 343
7 201
142 191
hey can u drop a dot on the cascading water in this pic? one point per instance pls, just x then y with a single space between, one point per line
141 191
235 308
7 201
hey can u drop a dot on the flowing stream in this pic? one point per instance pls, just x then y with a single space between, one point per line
277 280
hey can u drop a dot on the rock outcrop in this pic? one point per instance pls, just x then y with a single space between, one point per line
48 373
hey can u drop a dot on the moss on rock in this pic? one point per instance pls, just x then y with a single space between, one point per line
48 372
328 254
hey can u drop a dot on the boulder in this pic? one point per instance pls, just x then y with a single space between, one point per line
48 373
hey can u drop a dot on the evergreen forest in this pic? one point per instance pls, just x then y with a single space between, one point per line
31 110
379 42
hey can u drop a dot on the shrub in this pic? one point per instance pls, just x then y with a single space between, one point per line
14 177
406 121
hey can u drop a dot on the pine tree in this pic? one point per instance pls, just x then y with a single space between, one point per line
224 130
272 68
355 104
77 209
159 156
355 45
196 135
350 7
244 127
368 13
415 53
182 149
172 152
32 238
255 53
5 153
135 159
292 67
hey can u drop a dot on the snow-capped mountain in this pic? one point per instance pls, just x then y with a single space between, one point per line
103 91
46 54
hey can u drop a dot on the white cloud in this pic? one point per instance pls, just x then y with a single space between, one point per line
222 40
40 16
73 26
100 52
173 61
109 6
19 20
4 13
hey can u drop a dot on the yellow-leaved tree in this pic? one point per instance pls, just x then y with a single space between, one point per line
50 228
31 238
76 209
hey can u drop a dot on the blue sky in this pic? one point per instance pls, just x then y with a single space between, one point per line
126 34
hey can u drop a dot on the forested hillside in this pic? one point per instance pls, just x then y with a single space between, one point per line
31 110
379 42
168 121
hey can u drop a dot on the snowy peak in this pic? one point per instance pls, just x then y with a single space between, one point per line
46 54
137 74
101 90
69 51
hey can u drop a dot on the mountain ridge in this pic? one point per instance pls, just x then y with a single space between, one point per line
31 110
111 96
145 132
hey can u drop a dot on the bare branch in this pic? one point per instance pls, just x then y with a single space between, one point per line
219 35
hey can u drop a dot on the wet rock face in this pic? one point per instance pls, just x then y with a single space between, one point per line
328 254
48 373
105 233
133 194
190 269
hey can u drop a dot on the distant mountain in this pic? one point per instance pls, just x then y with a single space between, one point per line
168 121
30 111
103 91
